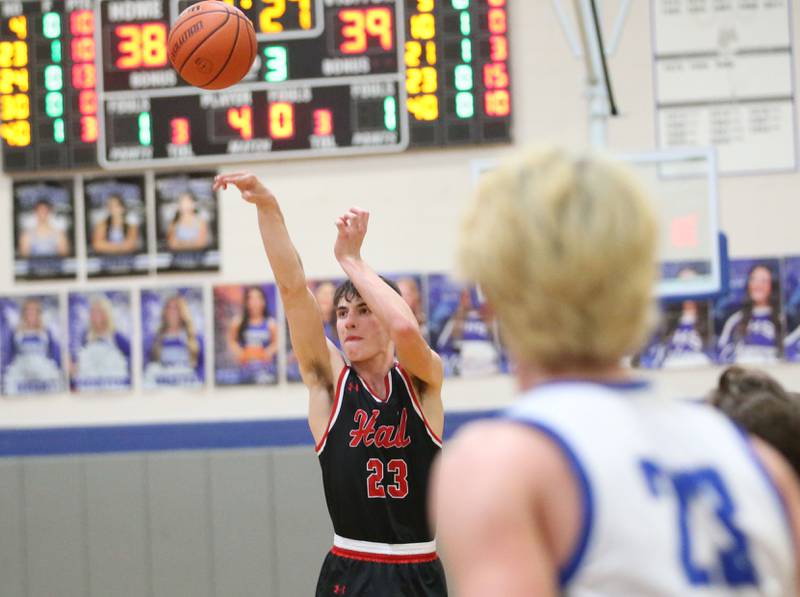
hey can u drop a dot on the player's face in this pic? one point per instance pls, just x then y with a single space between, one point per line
186 204
172 314
115 207
255 303
42 213
759 286
97 318
361 333
32 315
465 300
688 273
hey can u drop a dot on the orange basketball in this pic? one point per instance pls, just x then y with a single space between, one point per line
212 45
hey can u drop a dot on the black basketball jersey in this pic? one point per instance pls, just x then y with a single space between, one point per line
376 457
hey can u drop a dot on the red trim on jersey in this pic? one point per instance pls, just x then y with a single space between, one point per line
418 404
384 558
387 384
336 399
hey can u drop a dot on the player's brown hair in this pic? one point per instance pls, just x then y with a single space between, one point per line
348 291
761 406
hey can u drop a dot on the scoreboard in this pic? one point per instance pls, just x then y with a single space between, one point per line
48 97
88 82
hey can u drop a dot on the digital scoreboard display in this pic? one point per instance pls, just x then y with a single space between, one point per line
48 79
331 77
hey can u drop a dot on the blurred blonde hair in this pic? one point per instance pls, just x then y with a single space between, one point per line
186 323
105 305
564 248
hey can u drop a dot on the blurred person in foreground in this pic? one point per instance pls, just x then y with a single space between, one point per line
591 484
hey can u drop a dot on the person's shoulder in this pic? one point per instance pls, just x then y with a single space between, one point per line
793 336
784 479
730 323
779 471
500 452
494 470
424 389
734 317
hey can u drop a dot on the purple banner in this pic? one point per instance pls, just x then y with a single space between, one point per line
115 226
791 302
44 242
462 329
172 337
100 340
30 346
748 319
245 335
186 214
323 291
412 288
683 338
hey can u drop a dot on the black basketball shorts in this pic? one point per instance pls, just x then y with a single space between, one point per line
380 576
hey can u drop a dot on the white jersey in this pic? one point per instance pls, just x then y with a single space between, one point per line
675 503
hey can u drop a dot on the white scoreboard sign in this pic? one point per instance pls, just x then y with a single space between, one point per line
723 77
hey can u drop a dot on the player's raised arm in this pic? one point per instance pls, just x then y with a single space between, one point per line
317 361
413 351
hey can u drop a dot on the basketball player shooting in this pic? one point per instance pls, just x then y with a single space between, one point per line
376 419
591 484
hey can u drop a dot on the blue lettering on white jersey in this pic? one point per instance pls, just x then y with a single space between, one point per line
675 502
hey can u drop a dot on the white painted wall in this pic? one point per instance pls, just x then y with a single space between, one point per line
415 199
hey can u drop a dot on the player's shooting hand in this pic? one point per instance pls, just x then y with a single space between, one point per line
252 190
352 228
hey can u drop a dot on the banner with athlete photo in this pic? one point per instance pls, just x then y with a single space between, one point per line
172 337
412 289
186 214
116 229
683 338
245 335
747 319
462 329
791 307
323 291
30 345
100 340
44 240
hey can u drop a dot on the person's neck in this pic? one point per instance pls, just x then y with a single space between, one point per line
529 376
373 371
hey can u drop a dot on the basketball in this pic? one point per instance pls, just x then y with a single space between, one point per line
212 45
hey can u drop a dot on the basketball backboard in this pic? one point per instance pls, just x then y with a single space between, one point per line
683 184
